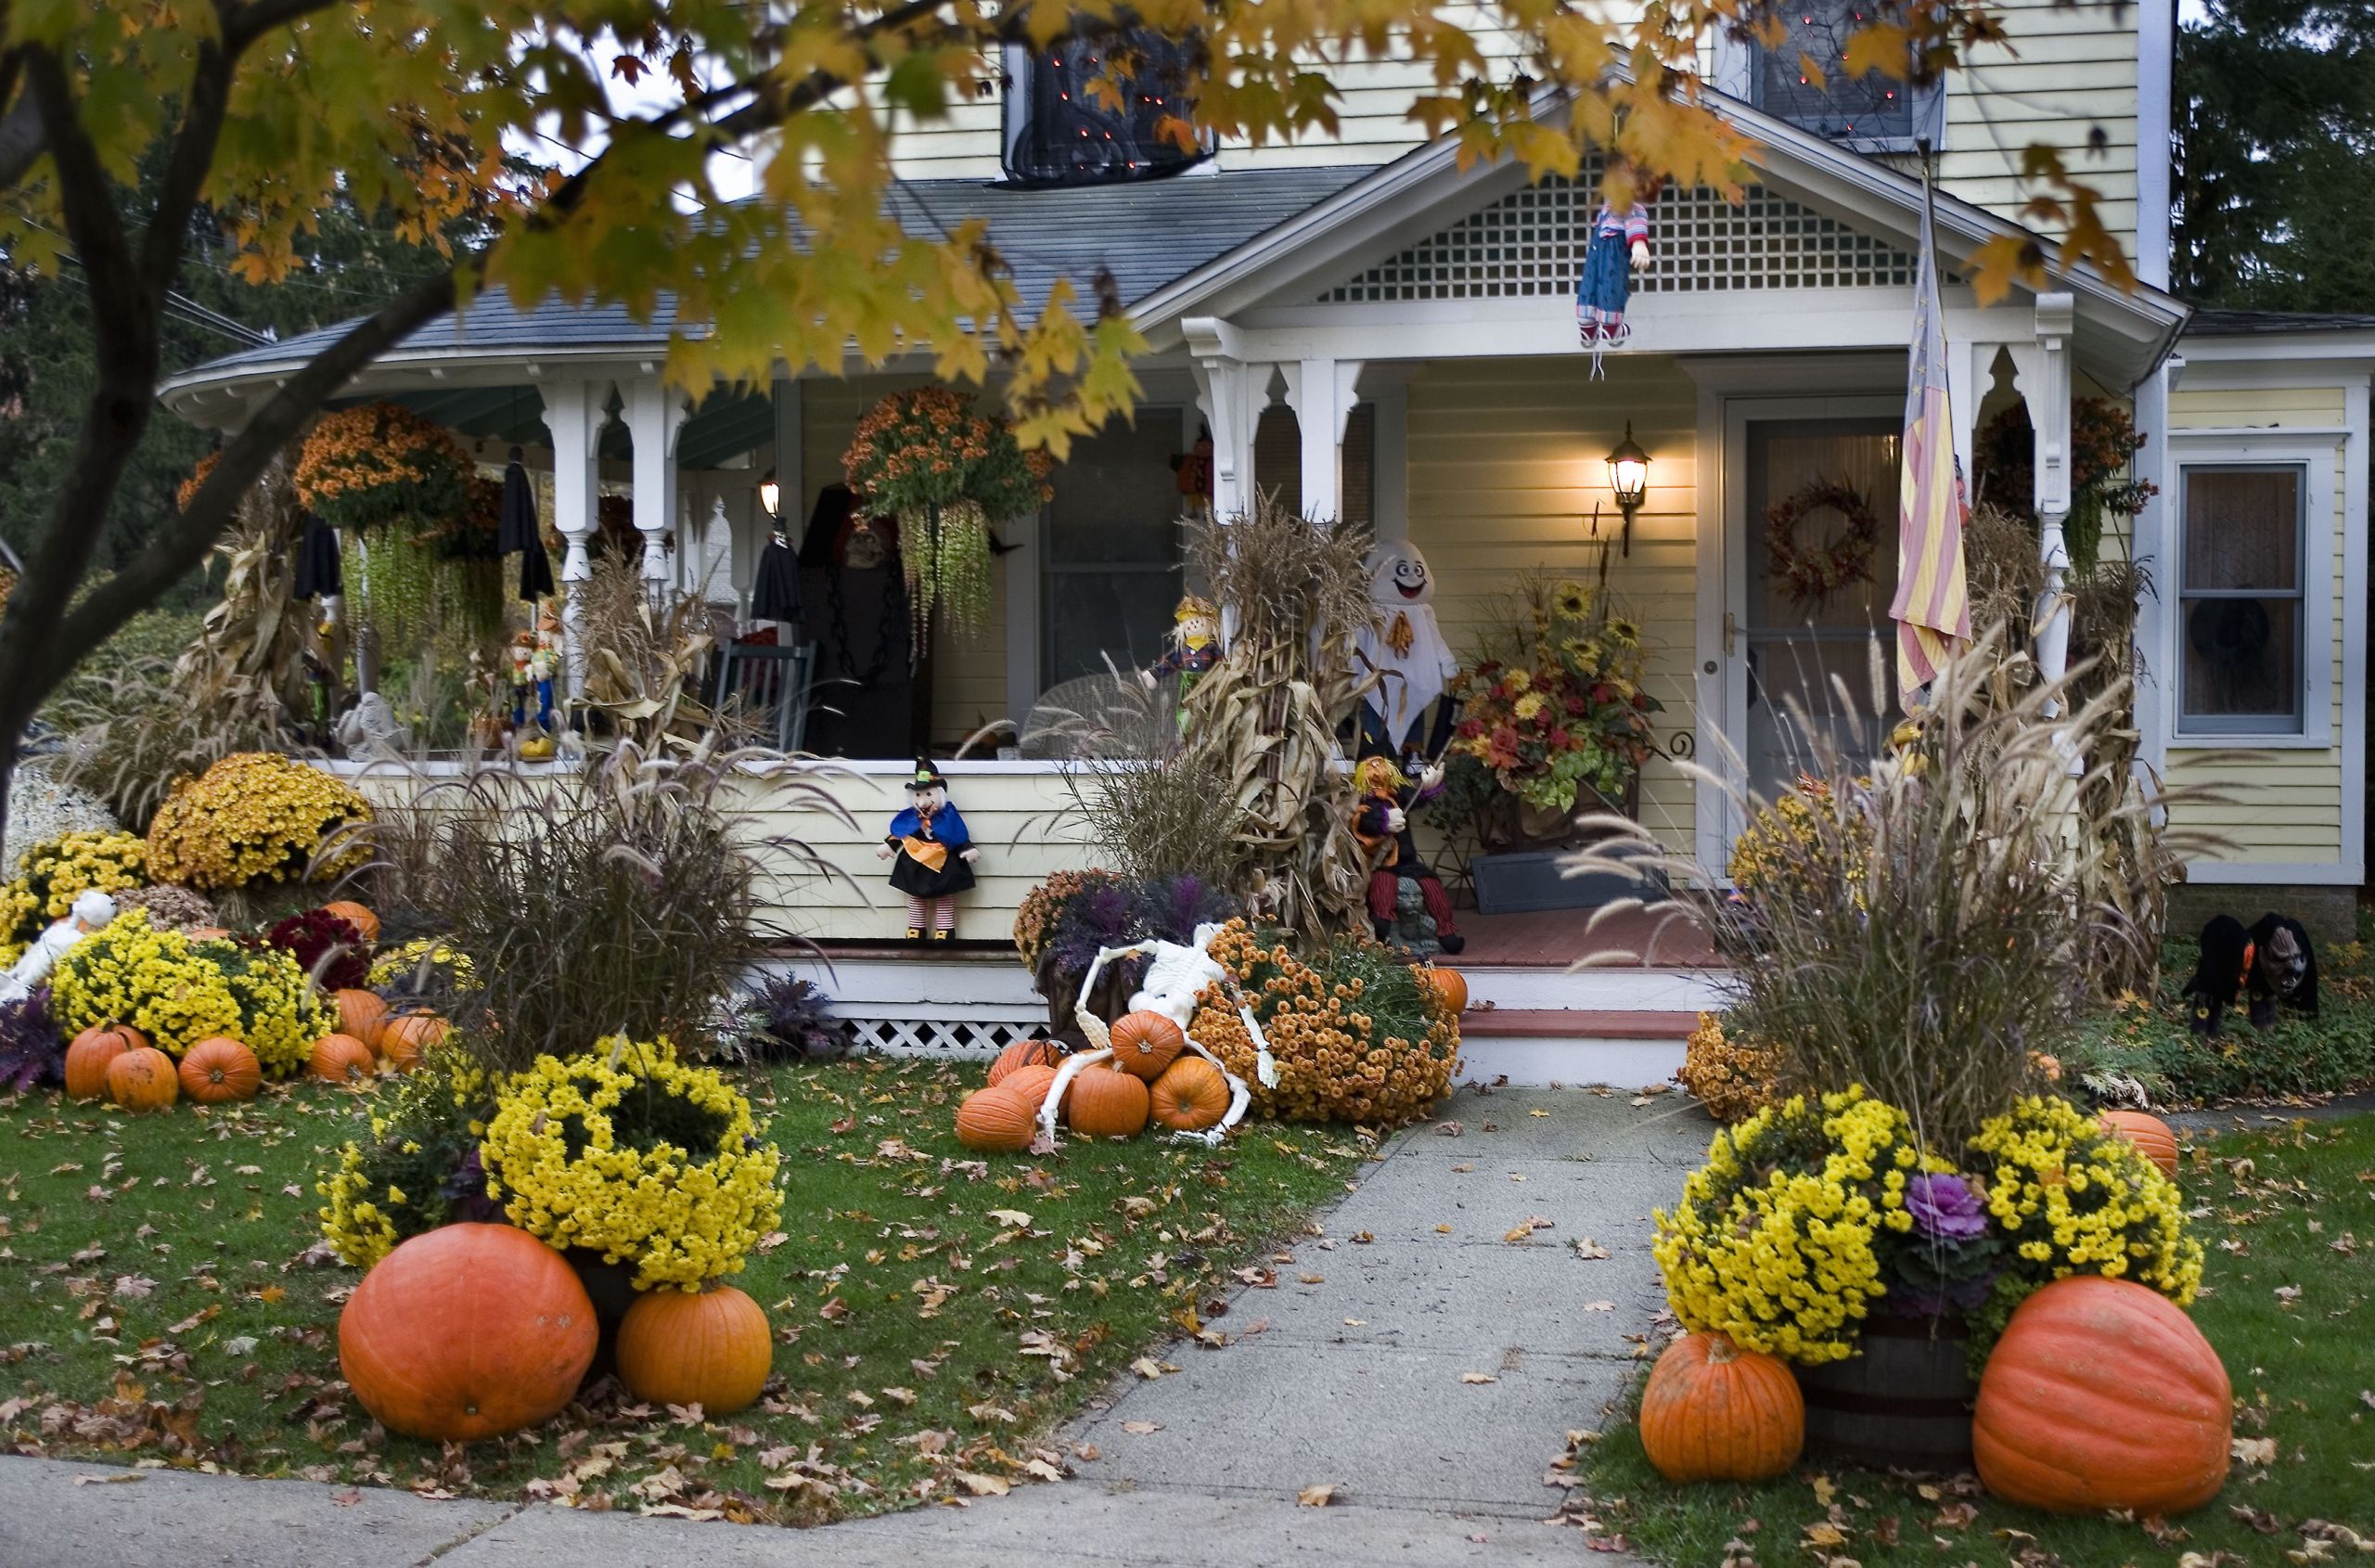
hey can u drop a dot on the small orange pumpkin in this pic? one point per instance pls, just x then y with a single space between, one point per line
1104 1102
360 1014
1450 987
711 1348
341 1059
87 1058
464 1332
1189 1096
1022 1053
995 1121
1031 1083
402 1036
142 1079
365 923
1713 1411
2153 1137
2101 1394
1146 1043
219 1070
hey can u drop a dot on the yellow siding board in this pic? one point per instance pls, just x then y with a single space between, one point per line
2251 407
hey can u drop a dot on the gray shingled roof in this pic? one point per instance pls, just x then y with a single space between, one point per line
2210 323
1146 235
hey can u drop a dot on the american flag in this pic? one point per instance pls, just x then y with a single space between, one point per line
1932 605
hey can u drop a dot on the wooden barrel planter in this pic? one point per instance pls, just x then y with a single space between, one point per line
1904 1403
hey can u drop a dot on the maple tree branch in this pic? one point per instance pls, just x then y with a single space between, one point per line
204 106
242 25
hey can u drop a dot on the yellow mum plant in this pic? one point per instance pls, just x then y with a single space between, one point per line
628 1151
253 817
178 992
420 1168
2068 1196
55 872
1732 1074
1775 1240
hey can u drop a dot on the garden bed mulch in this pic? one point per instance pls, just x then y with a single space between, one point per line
164 1298
2289 1218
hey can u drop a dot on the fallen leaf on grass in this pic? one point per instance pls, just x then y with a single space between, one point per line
1318 1495
2255 1450
1014 1217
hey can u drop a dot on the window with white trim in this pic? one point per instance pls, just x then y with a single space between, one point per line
1870 113
2244 611
1099 109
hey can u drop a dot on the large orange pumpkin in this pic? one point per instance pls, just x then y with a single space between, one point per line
353 914
219 1070
402 1036
360 1014
142 1079
1146 1043
87 1058
995 1121
2103 1395
713 1349
467 1331
1713 1411
341 1059
2151 1134
1450 987
1022 1053
1031 1083
1102 1103
1189 1096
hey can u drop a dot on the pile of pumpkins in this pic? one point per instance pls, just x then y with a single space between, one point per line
2100 1394
117 1063
1151 1077
473 1330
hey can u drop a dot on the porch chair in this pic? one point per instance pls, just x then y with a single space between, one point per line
774 684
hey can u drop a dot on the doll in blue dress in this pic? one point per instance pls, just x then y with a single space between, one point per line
1619 247
932 856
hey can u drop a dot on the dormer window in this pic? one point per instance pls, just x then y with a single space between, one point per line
1872 113
1092 110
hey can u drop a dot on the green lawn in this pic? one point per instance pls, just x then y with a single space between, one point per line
161 1298
2289 1217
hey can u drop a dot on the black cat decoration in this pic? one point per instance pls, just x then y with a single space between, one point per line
2273 964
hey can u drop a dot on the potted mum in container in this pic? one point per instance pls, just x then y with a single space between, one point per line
1554 724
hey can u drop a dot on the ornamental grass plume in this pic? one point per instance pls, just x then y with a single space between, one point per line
1927 920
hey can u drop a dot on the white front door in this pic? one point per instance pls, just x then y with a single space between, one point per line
1803 671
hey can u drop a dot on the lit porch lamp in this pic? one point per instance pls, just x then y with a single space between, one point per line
1628 477
770 497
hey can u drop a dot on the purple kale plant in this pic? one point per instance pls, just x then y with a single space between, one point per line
33 1051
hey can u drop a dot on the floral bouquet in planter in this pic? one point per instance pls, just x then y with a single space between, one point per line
1556 715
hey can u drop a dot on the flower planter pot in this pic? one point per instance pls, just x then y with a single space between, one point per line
1904 1403
1531 879
610 1286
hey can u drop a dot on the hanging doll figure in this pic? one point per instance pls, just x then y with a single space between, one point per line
932 856
1619 247
1195 649
1381 822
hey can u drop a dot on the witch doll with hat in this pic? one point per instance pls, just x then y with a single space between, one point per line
932 856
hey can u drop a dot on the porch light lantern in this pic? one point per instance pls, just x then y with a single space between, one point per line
1628 477
771 497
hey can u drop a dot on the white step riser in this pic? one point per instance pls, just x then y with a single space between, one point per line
1534 1062
1610 990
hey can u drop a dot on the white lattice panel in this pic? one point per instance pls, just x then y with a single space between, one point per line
1531 242
961 1037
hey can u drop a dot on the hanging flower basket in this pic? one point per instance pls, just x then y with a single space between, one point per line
382 463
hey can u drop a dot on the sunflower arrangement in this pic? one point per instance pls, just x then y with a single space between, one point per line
420 1168
56 871
1356 1036
1731 1074
628 1151
1777 1240
254 816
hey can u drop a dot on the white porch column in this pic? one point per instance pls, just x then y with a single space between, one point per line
1321 391
655 414
2045 385
1232 395
573 414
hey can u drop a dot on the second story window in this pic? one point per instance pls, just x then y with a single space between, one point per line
1090 110
1874 113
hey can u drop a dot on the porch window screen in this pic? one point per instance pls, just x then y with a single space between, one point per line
1083 111
1870 111
2241 600
1113 577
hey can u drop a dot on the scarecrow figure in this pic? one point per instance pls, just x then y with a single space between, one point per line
1381 822
1618 248
1195 649
1415 665
933 855
93 910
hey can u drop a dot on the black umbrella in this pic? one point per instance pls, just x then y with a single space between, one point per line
318 571
775 595
535 573
518 530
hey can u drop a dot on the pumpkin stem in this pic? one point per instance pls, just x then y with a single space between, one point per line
1723 1353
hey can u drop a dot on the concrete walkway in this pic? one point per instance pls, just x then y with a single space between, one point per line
1413 1356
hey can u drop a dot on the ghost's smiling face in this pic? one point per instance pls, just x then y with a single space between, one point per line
1398 575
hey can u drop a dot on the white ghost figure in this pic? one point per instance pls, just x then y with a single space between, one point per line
1407 647
93 910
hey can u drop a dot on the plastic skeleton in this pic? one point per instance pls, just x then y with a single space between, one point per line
1175 977
93 911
